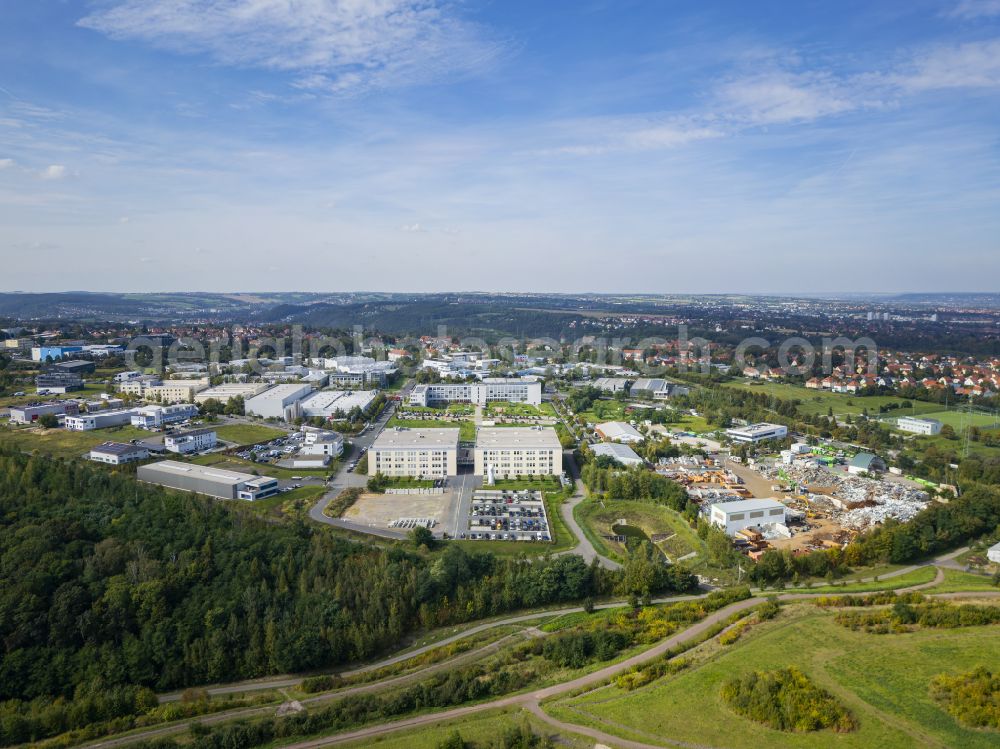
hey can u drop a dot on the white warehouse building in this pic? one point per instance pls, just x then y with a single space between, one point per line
99 420
733 517
279 402
517 451
428 453
491 389
918 426
757 432
327 403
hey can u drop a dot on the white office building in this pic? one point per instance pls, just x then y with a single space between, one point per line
328 403
278 402
491 389
918 426
504 452
100 420
733 517
427 453
192 441
757 432
322 443
154 417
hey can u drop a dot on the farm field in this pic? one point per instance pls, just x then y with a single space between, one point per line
63 443
246 434
467 429
882 679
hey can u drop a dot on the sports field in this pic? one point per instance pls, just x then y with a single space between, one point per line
821 401
882 679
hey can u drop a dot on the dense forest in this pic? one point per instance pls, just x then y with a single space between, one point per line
106 582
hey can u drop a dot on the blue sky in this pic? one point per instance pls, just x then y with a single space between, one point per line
540 146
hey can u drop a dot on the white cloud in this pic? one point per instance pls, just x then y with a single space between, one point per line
6 164
336 46
412 228
604 135
53 172
969 65
971 9
782 97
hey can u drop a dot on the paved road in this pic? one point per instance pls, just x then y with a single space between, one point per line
532 700
583 547
345 479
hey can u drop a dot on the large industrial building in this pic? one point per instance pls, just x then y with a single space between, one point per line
327 403
214 482
517 451
491 389
619 431
757 432
430 453
733 517
224 392
656 388
278 402
620 453
58 382
32 413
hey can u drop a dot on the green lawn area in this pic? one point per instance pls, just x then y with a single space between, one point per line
916 577
957 419
246 434
297 501
820 401
467 429
651 519
956 580
604 410
406 482
501 408
689 423
91 390
882 679
64 443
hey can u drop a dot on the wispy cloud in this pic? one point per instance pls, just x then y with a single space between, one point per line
969 65
6 164
971 9
784 97
335 46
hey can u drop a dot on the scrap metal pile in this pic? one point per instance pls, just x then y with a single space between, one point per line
854 502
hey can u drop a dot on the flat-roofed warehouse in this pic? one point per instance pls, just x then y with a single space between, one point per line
215 482
279 402
430 453
227 390
517 451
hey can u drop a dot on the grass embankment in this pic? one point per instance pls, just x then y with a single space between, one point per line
652 519
882 679
918 576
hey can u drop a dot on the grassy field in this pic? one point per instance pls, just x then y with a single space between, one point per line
820 401
64 443
916 577
882 679
649 518
246 434
518 409
467 430
956 580
959 420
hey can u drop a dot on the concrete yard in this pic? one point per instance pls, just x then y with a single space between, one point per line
380 510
